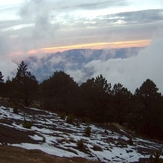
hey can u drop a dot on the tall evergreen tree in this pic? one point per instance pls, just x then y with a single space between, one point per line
149 109
95 98
1 77
8 88
148 90
59 92
25 84
1 84
121 101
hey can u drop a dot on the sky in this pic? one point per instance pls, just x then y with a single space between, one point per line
32 26
39 27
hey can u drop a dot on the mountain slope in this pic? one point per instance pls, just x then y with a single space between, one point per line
53 135
10 154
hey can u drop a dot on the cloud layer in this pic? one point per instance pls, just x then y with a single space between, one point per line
131 67
131 71
41 24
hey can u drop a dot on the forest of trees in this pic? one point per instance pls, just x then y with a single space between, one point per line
95 99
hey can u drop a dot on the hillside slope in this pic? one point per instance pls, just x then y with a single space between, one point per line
53 135
10 154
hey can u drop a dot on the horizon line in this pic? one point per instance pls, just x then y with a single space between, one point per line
95 46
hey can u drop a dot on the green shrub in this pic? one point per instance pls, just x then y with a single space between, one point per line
27 124
86 120
155 158
70 119
80 144
77 123
15 110
97 148
130 141
88 131
43 139
62 115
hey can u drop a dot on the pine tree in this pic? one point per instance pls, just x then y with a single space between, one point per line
95 97
25 84
59 92
1 84
148 90
1 77
149 108
121 100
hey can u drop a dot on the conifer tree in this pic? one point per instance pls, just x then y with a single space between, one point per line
1 77
149 109
59 92
121 100
95 94
1 83
25 84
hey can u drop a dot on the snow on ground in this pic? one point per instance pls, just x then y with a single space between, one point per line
59 138
47 149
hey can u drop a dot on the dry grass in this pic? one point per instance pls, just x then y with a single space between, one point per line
18 155
119 127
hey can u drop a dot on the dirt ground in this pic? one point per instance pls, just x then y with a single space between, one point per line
13 136
10 154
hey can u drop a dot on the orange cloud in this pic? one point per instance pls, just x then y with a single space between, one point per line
101 45
98 45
